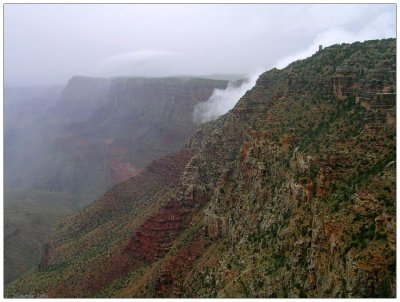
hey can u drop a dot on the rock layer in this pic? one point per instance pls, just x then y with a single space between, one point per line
290 194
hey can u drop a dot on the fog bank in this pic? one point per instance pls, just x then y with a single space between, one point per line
223 100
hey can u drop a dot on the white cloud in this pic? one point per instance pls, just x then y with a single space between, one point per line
223 100
378 26
139 56
50 43
382 26
126 63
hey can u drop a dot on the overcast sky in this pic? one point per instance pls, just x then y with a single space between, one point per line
47 44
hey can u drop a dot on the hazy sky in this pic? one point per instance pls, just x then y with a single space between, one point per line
47 44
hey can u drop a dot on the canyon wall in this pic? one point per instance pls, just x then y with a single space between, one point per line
290 194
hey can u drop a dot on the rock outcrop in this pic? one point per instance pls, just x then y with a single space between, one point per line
290 194
140 119
82 140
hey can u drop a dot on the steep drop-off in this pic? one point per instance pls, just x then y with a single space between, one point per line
290 194
98 133
80 98
143 119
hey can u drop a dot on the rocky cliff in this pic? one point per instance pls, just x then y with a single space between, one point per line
290 194
98 133
80 98
143 119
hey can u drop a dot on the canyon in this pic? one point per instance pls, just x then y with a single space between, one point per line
75 143
292 193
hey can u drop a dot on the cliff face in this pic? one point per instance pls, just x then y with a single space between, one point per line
290 194
80 98
143 119
100 132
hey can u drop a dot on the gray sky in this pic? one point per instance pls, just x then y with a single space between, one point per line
47 44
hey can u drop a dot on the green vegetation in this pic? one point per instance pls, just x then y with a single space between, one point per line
30 215
307 210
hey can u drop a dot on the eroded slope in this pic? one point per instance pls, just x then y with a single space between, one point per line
291 194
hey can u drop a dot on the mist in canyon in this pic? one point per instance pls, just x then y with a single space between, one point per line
90 104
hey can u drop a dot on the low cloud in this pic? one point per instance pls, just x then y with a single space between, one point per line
139 56
223 100
378 28
132 62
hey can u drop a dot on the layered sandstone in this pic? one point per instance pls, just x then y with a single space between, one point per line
291 194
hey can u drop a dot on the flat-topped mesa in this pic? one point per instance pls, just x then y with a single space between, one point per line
81 97
285 187
117 126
